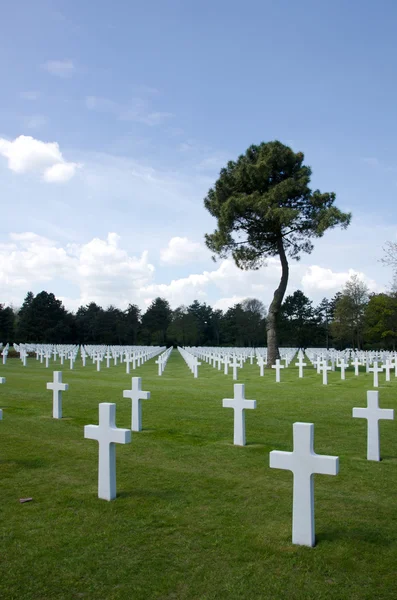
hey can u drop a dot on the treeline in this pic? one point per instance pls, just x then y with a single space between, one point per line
352 318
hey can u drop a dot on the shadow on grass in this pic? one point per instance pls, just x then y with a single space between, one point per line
26 463
355 535
165 495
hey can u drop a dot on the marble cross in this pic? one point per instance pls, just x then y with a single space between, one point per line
300 364
387 367
107 435
234 363
356 363
136 394
261 363
239 404
373 414
375 370
57 388
278 366
325 368
343 366
98 363
304 463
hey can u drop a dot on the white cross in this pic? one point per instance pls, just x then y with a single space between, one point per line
136 394
83 358
303 462
343 366
300 364
261 362
356 363
277 366
159 362
325 368
107 435
234 364
47 358
373 414
239 404
57 388
2 379
195 364
375 370
62 357
98 363
226 363
387 366
71 363
317 364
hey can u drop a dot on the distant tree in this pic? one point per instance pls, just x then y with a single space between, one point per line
88 320
381 320
156 321
264 208
132 324
254 321
183 329
7 320
325 311
42 318
300 320
348 324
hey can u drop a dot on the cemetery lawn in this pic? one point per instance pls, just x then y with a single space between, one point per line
195 516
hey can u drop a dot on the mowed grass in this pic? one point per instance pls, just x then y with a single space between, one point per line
195 516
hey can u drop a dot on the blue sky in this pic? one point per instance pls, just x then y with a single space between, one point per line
117 117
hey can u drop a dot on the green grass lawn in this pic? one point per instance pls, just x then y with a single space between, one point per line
195 516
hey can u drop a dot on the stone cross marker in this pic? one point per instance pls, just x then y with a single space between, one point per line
261 364
375 370
107 435
239 404
373 414
356 363
136 394
2 379
387 366
300 364
234 364
304 463
278 366
325 368
57 388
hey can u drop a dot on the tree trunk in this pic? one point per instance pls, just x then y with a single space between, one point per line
274 308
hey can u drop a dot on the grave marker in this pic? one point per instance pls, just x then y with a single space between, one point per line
373 414
304 463
136 394
107 435
57 388
239 404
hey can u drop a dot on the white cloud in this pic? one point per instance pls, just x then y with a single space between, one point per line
26 153
225 303
182 251
322 279
60 172
101 270
60 68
